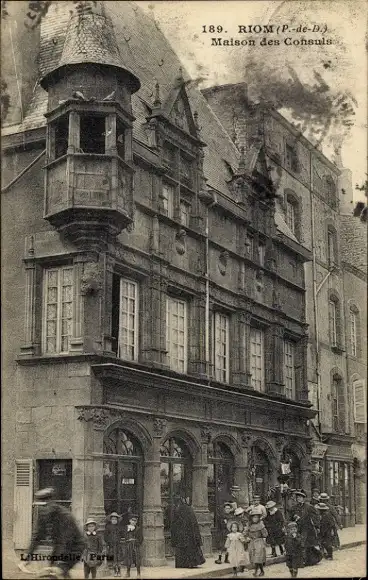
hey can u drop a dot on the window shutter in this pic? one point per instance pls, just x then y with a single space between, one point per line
359 402
23 495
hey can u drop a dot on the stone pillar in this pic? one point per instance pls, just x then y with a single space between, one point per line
93 473
76 340
153 311
274 360
200 492
301 363
240 348
197 336
108 272
153 523
241 468
91 290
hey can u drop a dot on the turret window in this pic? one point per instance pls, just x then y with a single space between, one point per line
92 134
61 128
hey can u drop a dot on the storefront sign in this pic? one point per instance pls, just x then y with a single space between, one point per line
259 479
126 481
319 450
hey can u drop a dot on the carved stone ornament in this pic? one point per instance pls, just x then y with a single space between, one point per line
309 446
92 278
180 241
159 426
223 261
206 435
280 442
100 417
246 438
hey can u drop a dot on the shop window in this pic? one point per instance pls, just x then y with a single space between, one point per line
61 128
176 334
220 478
58 309
125 318
122 473
92 134
56 473
221 347
257 359
176 476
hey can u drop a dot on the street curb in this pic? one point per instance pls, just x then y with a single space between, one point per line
269 562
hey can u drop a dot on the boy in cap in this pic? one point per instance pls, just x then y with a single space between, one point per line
92 555
225 517
293 549
275 525
56 522
132 536
113 534
327 529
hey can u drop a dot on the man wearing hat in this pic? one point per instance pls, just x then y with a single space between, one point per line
275 526
315 496
325 498
327 529
308 521
92 555
57 523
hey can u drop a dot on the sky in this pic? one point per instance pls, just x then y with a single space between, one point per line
323 89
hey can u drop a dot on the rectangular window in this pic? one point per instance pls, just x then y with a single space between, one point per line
184 213
250 246
331 248
261 253
176 334
353 333
169 156
290 215
168 199
61 136
120 138
92 134
291 158
332 315
289 369
257 359
185 170
128 320
58 309
360 413
335 405
221 347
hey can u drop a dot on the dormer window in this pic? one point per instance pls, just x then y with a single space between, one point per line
92 134
291 155
169 156
185 171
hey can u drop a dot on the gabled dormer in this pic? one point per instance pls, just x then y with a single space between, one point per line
175 134
89 174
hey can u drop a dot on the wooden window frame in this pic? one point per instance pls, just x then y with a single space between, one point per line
128 313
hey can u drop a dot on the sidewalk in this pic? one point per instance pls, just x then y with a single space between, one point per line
349 537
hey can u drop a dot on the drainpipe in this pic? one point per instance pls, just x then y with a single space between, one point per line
207 276
315 308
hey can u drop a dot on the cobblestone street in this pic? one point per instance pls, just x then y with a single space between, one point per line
346 564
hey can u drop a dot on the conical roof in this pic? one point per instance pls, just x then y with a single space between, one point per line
90 38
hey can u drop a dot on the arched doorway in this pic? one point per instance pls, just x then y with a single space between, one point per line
220 477
259 474
122 473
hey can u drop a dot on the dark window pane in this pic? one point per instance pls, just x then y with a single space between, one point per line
92 134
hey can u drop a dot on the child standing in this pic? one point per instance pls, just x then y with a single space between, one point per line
112 540
275 524
225 517
257 535
235 546
92 555
326 529
294 549
132 536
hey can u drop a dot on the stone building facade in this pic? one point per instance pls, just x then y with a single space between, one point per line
154 299
313 195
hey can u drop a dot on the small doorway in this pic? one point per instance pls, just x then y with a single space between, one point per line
122 474
220 479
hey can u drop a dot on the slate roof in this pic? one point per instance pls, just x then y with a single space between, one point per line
353 242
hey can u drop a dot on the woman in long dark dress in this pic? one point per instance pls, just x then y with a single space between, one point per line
186 537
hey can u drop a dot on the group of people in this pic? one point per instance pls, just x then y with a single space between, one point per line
118 545
310 534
